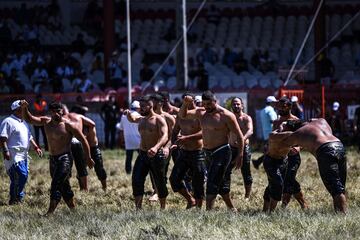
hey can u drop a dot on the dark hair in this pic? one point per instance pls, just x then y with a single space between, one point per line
187 94
165 95
208 95
55 106
146 98
293 125
233 99
157 97
285 100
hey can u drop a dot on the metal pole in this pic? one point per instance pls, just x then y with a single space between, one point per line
128 50
185 45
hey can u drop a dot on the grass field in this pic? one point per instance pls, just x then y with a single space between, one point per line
111 215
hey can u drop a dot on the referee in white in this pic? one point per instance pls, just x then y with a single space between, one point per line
15 139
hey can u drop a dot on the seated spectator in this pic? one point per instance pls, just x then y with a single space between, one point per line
79 45
327 69
7 65
192 74
5 34
82 84
4 89
169 69
97 65
17 87
117 72
65 71
203 78
146 73
207 55
229 58
255 59
240 63
39 72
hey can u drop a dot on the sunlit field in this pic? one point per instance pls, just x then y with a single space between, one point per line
111 215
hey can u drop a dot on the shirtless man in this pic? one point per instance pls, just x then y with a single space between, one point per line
216 123
87 126
154 135
167 107
291 186
59 133
191 158
317 138
246 125
158 101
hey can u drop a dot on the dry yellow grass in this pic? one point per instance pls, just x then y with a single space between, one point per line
111 215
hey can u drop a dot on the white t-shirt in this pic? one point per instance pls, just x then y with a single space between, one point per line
131 132
18 137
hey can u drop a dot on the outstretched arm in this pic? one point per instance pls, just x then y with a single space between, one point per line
37 121
131 117
80 136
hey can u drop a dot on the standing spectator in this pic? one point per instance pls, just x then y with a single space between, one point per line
117 72
79 45
40 108
268 116
203 78
229 58
296 108
146 73
109 114
131 135
240 63
336 120
15 139
79 106
4 89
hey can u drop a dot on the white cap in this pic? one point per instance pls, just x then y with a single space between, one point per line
198 99
135 104
336 106
294 99
15 105
270 99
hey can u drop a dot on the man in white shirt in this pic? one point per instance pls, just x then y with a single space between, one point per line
268 116
131 135
15 139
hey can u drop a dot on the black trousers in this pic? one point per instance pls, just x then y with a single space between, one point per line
332 166
60 171
274 169
217 161
110 135
193 161
77 152
291 185
144 165
128 160
99 165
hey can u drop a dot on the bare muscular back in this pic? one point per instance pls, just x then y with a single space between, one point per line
215 129
149 132
243 122
188 127
75 119
313 135
59 138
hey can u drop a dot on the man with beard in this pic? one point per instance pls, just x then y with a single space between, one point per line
216 123
87 126
59 133
316 137
246 125
191 158
167 106
154 136
291 185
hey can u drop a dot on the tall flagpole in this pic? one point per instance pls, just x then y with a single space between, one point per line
185 45
128 50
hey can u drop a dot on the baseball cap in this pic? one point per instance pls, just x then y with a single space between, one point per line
336 106
135 104
270 99
294 99
15 105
